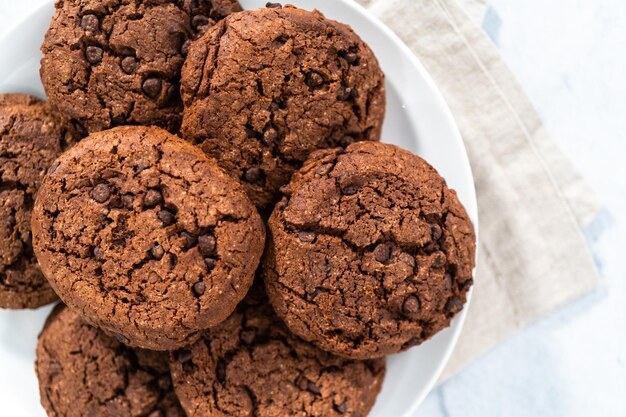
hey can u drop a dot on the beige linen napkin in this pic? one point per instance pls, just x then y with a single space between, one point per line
532 203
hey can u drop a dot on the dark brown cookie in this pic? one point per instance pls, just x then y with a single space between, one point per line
251 365
32 136
264 88
108 63
84 372
146 236
370 253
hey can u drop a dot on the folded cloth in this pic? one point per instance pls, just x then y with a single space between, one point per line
532 203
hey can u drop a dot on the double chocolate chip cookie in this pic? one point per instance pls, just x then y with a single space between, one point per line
370 252
146 236
264 88
109 63
84 372
251 365
32 136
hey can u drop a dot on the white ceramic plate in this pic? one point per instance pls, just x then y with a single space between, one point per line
417 119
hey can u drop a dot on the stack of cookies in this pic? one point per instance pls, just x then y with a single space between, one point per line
206 194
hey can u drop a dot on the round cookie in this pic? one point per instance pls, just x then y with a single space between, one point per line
251 365
108 63
146 236
32 136
264 88
84 372
370 252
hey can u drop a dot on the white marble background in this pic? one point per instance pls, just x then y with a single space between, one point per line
570 57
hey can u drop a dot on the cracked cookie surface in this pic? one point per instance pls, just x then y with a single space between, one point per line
32 136
264 88
111 62
146 236
84 372
251 365
369 253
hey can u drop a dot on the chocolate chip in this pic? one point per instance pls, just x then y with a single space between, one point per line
121 338
255 175
247 336
98 253
411 305
220 370
307 237
350 57
354 93
448 281
270 136
127 201
436 231
324 169
167 217
172 260
12 221
414 341
311 387
101 193
190 240
274 106
341 408
350 190
382 253
439 260
157 251
250 132
94 54
314 79
301 382
207 245
152 198
344 93
466 284
173 92
210 263
164 382
199 21
454 305
183 355
152 87
141 166
129 65
273 5
199 288
185 48
90 22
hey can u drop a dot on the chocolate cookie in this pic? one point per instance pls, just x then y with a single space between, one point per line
32 135
84 372
264 88
108 63
251 365
146 236
370 253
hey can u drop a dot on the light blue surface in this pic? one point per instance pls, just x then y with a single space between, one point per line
570 57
